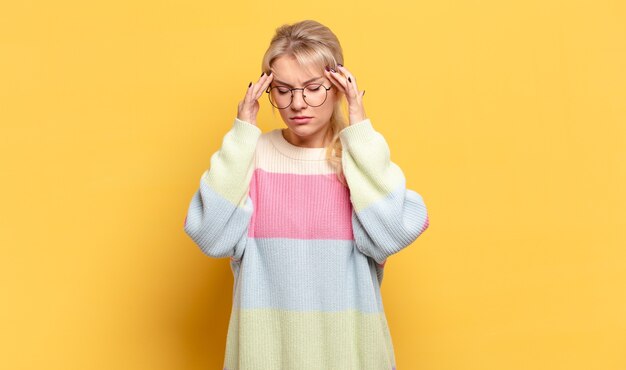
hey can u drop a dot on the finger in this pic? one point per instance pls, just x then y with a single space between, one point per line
349 77
339 85
348 87
337 80
253 88
266 80
346 72
248 95
259 83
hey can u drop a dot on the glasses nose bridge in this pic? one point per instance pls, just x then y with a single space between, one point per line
293 94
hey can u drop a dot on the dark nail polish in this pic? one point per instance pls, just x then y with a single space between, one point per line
262 73
349 80
333 71
250 84
327 68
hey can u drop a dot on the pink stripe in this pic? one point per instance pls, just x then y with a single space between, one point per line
299 206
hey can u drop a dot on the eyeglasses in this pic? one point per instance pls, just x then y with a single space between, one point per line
314 95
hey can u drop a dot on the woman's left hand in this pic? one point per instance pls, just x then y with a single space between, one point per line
345 82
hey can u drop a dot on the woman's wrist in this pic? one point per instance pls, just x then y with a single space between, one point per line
358 116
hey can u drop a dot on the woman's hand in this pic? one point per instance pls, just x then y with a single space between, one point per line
249 106
345 82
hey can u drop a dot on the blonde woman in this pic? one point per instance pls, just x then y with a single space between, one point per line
307 214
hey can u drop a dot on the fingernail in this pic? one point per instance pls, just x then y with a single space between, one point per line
340 65
262 73
349 79
250 84
327 68
333 71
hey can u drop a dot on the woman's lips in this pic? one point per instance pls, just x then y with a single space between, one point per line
301 119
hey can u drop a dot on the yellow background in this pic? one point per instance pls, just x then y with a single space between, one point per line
507 117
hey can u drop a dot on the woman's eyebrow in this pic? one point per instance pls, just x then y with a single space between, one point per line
305 82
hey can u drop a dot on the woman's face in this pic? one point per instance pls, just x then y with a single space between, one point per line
287 72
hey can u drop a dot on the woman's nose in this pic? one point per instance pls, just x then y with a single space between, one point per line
298 99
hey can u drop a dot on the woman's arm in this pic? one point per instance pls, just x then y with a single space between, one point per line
219 212
386 216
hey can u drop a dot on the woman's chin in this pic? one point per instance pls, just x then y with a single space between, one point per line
300 130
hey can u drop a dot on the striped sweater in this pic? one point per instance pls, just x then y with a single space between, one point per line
307 253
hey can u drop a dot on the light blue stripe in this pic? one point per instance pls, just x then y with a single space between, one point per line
389 224
297 274
217 226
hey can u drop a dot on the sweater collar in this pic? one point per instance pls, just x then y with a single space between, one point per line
294 151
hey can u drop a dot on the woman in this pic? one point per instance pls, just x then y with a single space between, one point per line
308 215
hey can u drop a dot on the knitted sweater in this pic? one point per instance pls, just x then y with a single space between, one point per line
307 253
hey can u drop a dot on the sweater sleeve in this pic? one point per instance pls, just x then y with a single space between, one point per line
220 210
386 216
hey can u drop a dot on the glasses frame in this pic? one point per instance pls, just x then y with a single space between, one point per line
291 89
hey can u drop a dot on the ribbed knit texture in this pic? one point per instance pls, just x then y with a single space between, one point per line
306 252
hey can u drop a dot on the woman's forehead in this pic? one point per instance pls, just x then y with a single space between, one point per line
290 70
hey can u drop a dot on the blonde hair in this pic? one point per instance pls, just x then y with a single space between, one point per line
313 44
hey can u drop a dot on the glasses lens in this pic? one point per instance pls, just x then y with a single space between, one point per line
315 95
280 96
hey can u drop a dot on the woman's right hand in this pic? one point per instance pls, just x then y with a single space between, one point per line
249 106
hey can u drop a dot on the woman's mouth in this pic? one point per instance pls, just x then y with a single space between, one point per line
301 119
